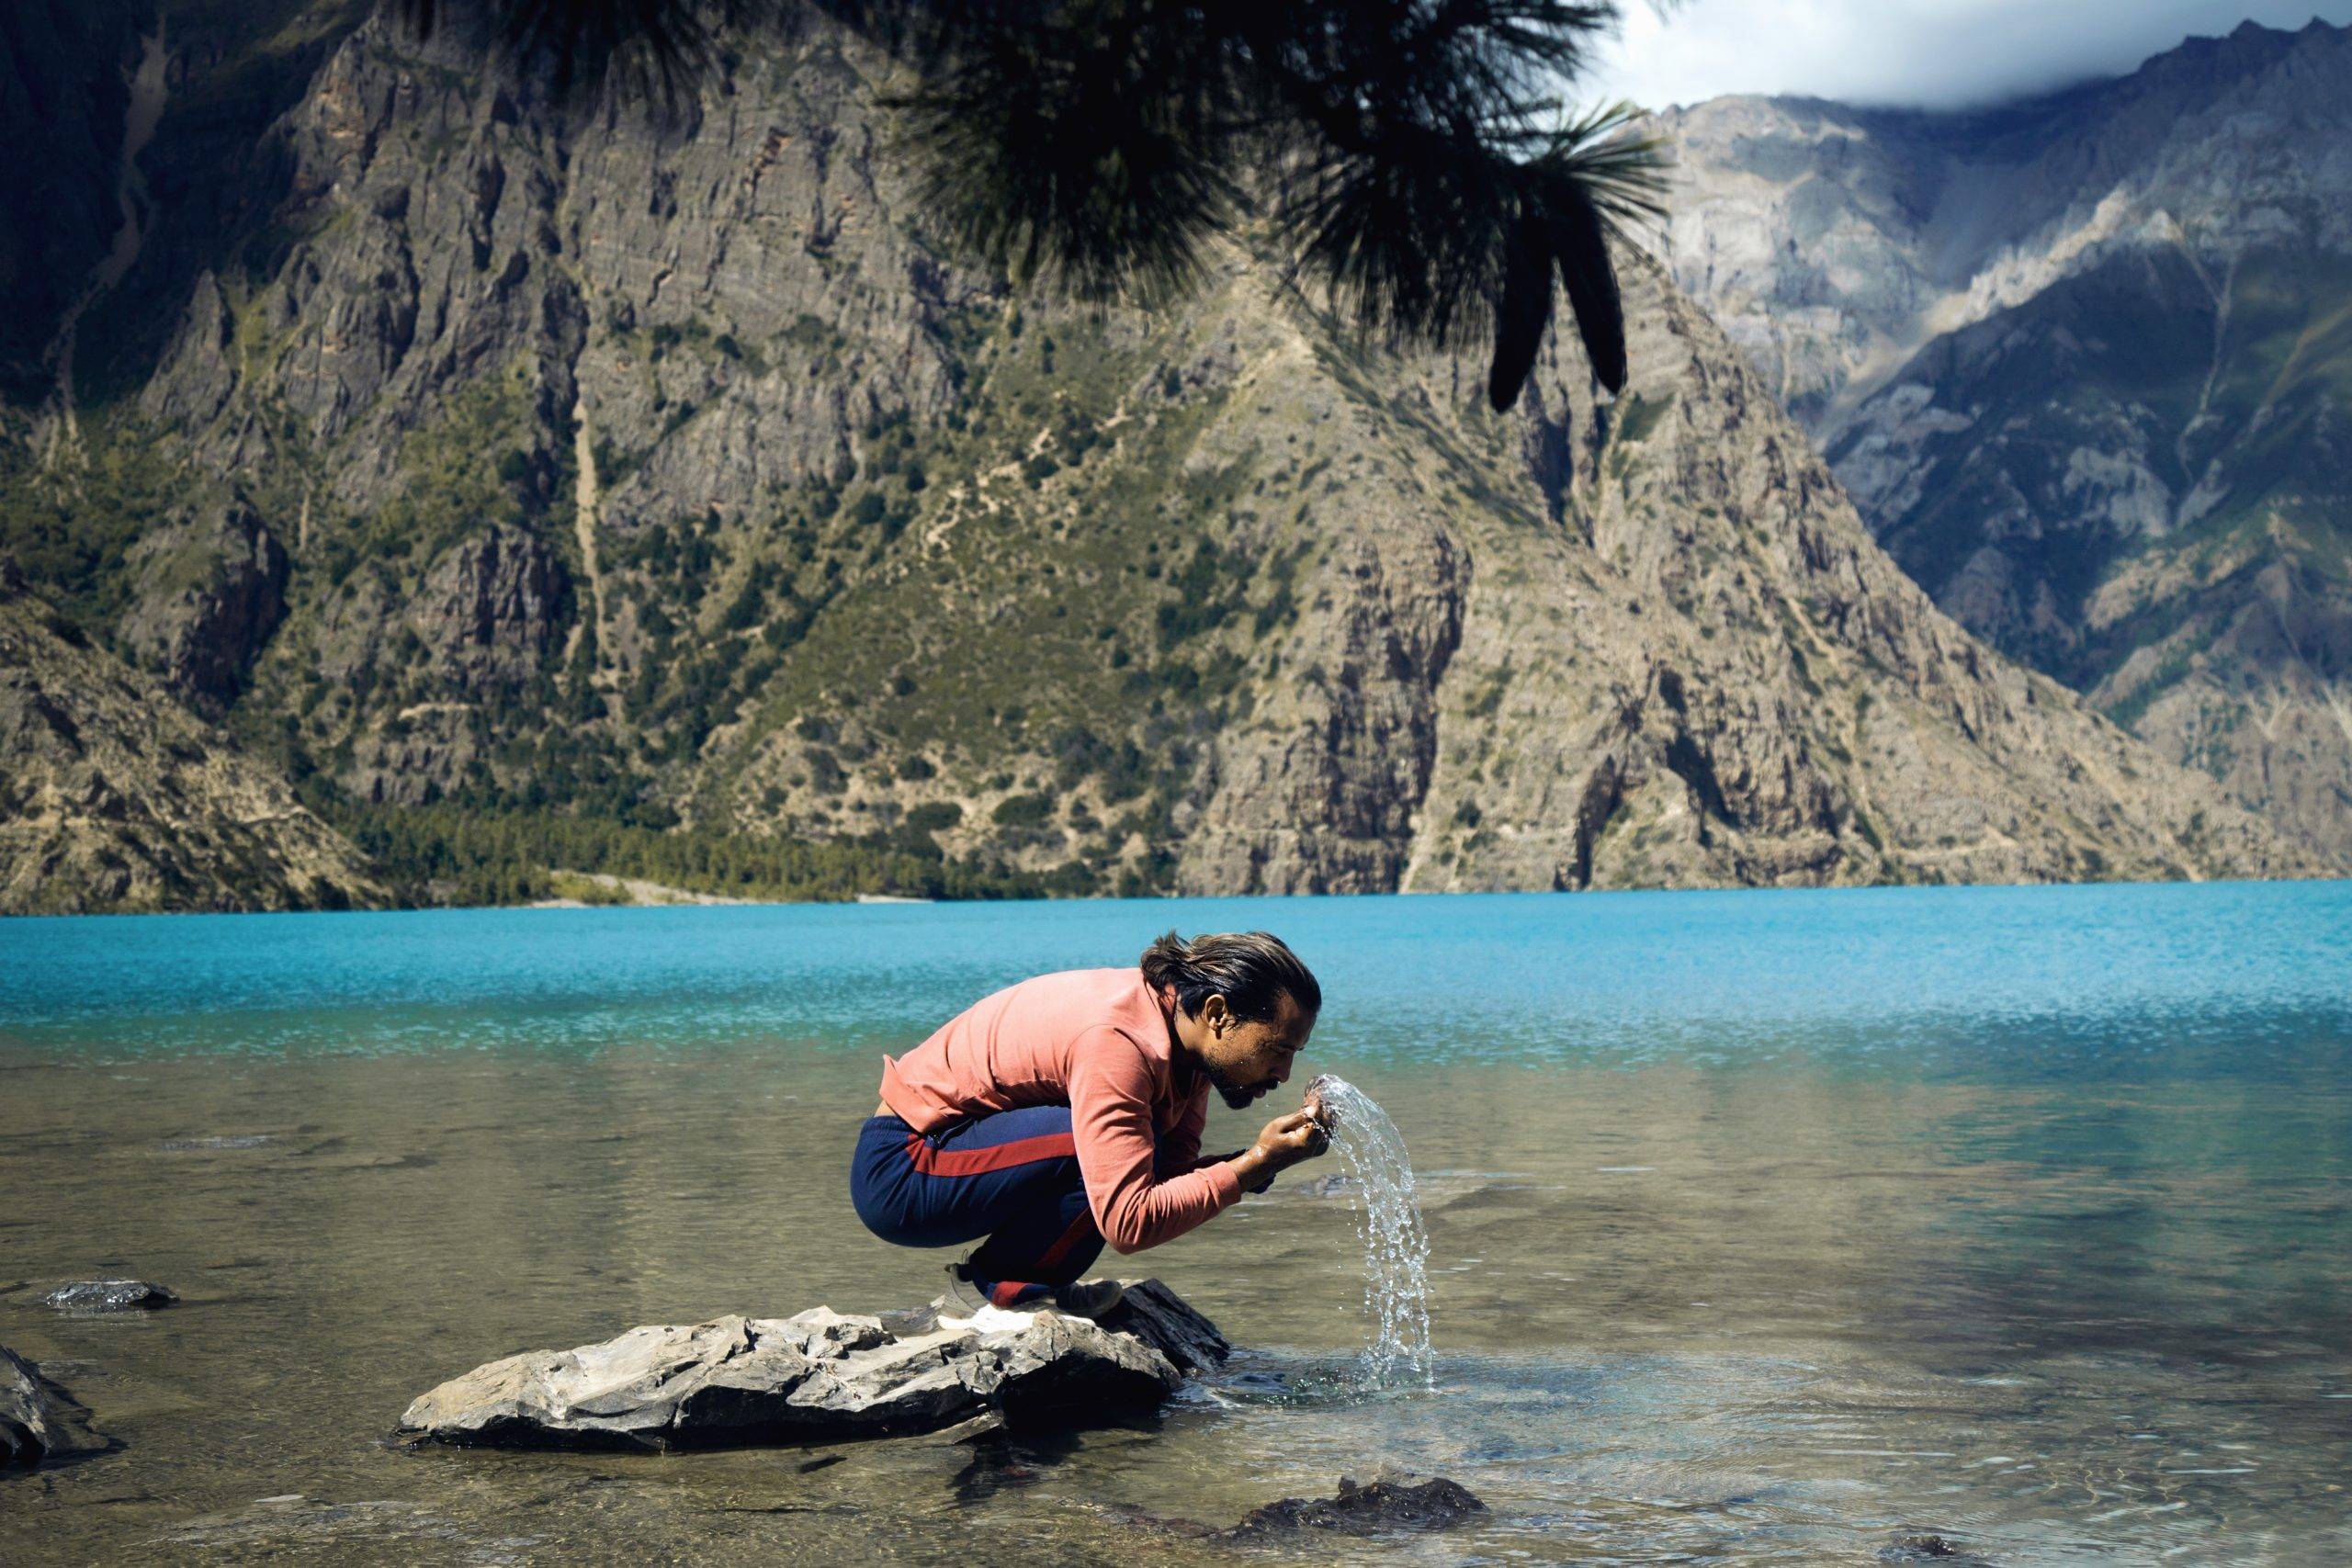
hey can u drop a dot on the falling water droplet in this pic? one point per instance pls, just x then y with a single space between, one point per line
1389 1217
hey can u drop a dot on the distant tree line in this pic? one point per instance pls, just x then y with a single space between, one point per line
453 854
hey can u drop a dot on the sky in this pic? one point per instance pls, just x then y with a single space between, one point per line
1924 53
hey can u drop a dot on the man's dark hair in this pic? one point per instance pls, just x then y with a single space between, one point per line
1251 970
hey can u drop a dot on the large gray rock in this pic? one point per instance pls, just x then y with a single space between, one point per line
823 1376
38 1420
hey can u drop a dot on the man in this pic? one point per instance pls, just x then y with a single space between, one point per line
1066 1110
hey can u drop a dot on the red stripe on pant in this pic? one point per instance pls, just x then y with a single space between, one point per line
1079 1228
929 1161
1006 1291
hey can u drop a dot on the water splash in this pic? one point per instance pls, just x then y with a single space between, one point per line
1389 1217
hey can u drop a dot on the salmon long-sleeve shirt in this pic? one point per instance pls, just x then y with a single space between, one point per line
1097 1041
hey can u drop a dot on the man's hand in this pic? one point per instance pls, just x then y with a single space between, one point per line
1290 1139
1286 1141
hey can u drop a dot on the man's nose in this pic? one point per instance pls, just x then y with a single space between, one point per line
1281 1073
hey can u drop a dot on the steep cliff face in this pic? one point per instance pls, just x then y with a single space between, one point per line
660 472
63 89
208 592
2085 366
114 798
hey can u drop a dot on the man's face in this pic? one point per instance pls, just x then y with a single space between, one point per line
1247 1060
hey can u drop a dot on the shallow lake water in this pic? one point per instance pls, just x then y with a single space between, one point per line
1765 1227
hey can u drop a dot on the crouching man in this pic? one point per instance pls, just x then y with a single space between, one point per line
1065 1110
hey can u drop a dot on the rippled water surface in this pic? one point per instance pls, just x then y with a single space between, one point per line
1764 1227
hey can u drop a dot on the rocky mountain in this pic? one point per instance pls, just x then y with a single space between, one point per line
555 482
2085 364
115 799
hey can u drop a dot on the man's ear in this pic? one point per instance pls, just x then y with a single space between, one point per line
1215 1013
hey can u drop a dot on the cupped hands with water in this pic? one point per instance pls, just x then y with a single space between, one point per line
1287 1140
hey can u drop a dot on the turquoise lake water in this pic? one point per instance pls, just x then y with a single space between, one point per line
1765 1226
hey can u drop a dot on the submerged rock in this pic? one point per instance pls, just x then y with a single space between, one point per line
1383 1506
110 1295
823 1376
38 1420
1929 1549
1329 1187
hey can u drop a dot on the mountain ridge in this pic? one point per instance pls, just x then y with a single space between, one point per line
2085 366
529 477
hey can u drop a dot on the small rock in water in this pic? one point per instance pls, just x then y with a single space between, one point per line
1365 1510
1327 1187
1396 1247
110 1295
1929 1549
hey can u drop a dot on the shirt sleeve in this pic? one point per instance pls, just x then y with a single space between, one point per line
1110 1105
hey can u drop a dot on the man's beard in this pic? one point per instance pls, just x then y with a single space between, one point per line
1234 1094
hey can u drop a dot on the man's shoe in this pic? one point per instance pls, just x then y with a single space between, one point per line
1087 1298
962 1292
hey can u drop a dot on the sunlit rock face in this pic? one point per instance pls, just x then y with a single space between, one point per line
114 797
2085 365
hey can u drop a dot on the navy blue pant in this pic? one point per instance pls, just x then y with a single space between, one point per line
1011 1176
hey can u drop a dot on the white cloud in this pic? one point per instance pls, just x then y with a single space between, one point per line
1937 53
